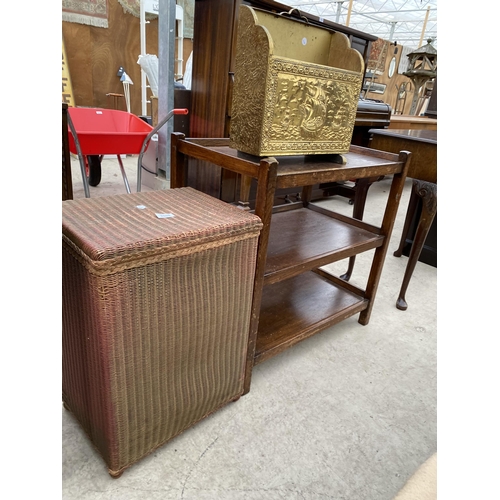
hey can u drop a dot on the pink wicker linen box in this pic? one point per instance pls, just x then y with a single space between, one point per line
157 295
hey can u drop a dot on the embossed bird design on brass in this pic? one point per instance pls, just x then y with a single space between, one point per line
314 110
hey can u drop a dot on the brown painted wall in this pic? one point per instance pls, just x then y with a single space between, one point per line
95 54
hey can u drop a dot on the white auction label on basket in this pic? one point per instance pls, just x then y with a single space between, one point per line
164 216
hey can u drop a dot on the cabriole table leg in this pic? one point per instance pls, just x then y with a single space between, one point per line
427 191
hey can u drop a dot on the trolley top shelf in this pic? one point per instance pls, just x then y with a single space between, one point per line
295 170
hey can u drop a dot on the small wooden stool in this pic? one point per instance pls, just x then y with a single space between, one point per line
116 99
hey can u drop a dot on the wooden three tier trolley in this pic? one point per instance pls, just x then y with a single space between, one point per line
293 298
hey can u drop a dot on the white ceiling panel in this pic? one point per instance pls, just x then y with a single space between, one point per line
400 21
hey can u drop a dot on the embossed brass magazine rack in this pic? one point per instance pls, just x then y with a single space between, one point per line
296 87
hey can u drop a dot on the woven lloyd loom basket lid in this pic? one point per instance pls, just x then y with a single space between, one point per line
129 228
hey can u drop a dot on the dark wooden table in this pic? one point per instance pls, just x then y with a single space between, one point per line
423 171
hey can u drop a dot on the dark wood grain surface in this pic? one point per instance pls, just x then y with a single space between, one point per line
299 308
422 143
290 251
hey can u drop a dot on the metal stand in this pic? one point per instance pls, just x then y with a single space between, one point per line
165 120
166 62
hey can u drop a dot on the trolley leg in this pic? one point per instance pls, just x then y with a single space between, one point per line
124 175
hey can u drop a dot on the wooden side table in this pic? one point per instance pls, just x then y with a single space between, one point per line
407 122
423 169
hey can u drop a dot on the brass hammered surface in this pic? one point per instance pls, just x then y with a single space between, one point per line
249 92
312 108
283 106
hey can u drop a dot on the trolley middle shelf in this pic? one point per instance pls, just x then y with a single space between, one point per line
302 239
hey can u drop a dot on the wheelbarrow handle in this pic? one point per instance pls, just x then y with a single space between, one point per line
85 181
175 111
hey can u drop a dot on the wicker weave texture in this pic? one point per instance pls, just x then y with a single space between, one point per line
153 344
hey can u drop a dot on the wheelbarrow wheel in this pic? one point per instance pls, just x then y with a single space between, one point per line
94 162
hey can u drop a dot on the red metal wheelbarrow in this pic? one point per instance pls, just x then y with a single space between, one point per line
96 132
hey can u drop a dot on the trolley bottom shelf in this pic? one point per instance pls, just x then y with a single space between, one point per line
297 308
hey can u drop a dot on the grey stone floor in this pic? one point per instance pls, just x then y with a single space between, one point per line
348 414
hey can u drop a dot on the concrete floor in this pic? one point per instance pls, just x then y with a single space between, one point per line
348 414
